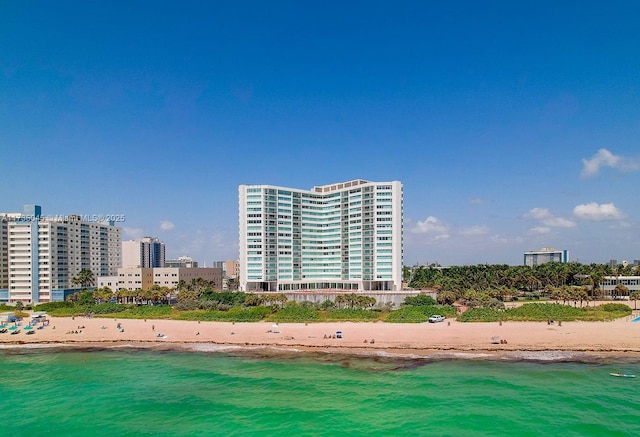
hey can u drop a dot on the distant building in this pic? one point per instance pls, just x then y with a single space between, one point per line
107 281
182 262
345 237
230 268
612 263
140 278
40 255
609 284
147 252
545 255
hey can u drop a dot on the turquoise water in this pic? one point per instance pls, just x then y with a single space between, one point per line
128 392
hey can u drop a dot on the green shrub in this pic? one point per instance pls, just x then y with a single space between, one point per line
546 311
419 300
408 314
235 314
419 314
481 315
49 306
105 308
353 315
616 307
294 312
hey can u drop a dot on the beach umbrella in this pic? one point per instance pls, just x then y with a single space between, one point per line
28 328
13 328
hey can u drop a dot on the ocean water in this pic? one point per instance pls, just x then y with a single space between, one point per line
139 392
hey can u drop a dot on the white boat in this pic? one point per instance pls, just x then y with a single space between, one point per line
623 375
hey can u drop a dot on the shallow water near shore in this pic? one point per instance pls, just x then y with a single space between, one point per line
133 392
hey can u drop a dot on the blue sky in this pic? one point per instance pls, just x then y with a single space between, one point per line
512 126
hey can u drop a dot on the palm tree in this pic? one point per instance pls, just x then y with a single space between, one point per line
634 296
84 278
621 290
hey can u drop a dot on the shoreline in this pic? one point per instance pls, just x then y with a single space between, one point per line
524 341
587 356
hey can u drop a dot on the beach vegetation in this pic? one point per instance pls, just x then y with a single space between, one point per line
505 282
327 305
231 298
419 300
446 298
419 314
351 315
295 312
354 301
546 311
235 314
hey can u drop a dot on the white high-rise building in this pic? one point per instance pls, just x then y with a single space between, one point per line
545 255
342 237
147 252
45 253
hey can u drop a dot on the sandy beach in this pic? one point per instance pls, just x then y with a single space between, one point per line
618 338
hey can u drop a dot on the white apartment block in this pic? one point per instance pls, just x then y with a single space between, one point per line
545 255
142 278
45 253
341 237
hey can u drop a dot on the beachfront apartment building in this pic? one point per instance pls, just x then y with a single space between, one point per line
146 252
545 255
43 254
340 237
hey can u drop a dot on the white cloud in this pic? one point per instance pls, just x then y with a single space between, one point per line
134 233
604 158
441 237
477 201
595 212
503 239
430 226
548 219
540 230
474 230
559 222
166 225
538 214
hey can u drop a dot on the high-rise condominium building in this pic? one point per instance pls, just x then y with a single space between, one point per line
147 252
43 254
545 255
342 237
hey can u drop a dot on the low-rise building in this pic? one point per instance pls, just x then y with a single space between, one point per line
609 284
140 278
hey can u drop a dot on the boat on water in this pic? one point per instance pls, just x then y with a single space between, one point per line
623 375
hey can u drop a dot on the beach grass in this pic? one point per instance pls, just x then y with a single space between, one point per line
536 312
